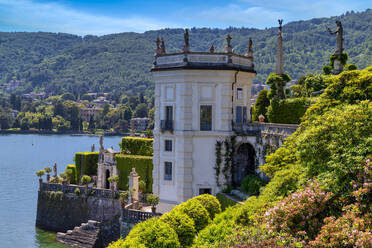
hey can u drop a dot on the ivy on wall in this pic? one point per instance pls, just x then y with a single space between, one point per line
137 146
86 163
227 157
218 161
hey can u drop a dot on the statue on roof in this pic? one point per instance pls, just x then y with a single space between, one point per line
280 24
162 47
211 50
158 49
250 45
340 38
228 48
186 47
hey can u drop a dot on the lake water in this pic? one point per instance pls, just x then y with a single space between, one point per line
20 157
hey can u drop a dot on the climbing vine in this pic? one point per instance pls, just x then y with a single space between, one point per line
218 161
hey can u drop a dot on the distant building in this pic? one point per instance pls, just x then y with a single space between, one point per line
139 124
100 101
106 167
12 85
87 113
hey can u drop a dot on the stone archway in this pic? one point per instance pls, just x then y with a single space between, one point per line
244 163
107 184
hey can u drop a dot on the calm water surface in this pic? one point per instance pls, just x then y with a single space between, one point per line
20 156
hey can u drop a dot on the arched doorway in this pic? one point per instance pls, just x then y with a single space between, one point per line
245 163
107 177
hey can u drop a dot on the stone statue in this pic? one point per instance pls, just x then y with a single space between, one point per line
280 24
162 48
92 148
55 170
340 39
250 45
158 49
186 47
228 48
101 142
101 149
211 50
249 53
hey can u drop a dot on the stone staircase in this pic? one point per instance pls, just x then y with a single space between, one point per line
84 236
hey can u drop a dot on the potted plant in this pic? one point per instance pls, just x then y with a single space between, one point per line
113 180
141 186
153 200
63 175
48 170
69 174
123 199
86 180
40 173
131 192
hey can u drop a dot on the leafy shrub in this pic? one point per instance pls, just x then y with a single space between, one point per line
287 111
211 204
152 199
262 103
251 184
143 166
327 69
196 211
183 225
301 213
277 83
77 191
151 233
136 146
350 67
73 175
40 173
86 163
85 179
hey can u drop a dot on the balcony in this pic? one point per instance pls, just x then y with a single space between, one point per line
166 125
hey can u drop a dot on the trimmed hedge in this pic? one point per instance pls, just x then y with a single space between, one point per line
151 233
211 204
136 146
183 225
74 175
196 211
225 201
262 103
86 163
143 166
287 111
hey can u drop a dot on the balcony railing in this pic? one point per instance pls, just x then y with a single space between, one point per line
166 125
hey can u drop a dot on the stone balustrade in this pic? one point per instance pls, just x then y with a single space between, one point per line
136 216
261 128
100 193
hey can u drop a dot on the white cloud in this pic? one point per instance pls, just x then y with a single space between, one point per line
54 17
255 16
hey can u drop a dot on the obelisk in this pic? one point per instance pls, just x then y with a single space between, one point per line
279 61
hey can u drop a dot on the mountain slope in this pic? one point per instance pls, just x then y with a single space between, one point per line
62 62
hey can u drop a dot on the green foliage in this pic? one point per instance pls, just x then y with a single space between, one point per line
251 184
85 179
152 233
86 163
142 185
77 191
143 166
342 58
137 146
277 84
327 69
113 179
183 225
195 210
225 201
211 204
48 170
152 199
73 175
287 111
350 67
262 103
40 173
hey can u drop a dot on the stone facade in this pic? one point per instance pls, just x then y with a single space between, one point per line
106 168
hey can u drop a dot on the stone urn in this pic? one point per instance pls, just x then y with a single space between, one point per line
40 180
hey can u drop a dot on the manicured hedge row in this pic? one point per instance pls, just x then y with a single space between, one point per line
74 177
287 111
86 163
143 165
225 201
136 146
178 228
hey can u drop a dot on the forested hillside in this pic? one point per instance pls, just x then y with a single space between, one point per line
58 63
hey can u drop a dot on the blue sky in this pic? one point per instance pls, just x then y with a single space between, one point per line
101 17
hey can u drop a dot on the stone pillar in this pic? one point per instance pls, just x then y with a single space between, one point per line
279 62
337 67
133 183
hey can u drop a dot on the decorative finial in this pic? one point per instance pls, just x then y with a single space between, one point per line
158 49
249 49
211 50
186 47
228 48
280 24
162 46
101 142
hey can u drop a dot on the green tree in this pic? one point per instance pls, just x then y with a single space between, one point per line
262 103
141 110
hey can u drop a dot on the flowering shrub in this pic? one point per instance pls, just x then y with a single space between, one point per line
301 213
